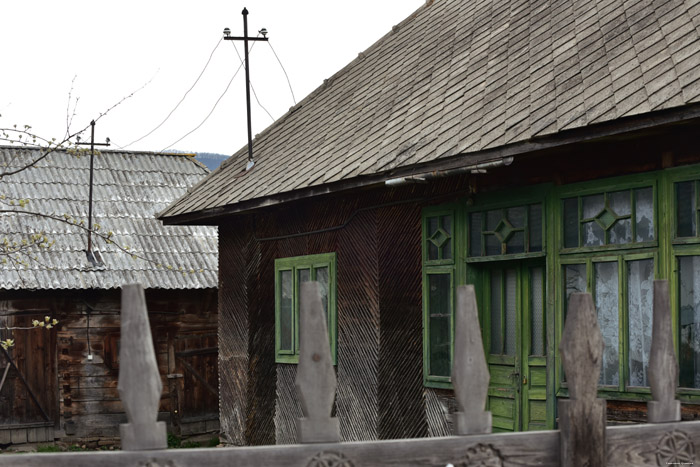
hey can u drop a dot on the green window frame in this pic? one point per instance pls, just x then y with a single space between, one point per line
622 288
440 245
683 195
609 241
289 274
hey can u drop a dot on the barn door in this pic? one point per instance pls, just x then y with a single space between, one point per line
28 391
515 336
195 404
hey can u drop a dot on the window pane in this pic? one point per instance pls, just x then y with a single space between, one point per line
689 332
644 214
304 275
607 300
685 209
440 311
516 216
447 224
537 334
447 249
431 230
432 226
432 251
640 302
322 278
286 313
510 307
475 234
620 202
493 245
593 234
496 342
621 232
492 219
575 276
535 225
571 223
592 205
516 243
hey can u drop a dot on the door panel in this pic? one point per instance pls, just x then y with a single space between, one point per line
515 315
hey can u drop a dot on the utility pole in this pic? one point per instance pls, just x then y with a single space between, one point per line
245 39
92 161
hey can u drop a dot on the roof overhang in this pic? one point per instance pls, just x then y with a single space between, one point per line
461 162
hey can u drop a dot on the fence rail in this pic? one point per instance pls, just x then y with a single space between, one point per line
582 439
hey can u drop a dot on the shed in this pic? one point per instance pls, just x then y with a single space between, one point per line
532 148
62 382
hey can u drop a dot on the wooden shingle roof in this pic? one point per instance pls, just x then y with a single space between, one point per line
459 77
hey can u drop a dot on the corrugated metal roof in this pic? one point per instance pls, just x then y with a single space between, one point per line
458 77
130 188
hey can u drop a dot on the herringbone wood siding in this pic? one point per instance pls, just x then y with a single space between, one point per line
358 329
401 411
234 258
380 389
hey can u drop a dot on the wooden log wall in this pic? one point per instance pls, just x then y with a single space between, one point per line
86 403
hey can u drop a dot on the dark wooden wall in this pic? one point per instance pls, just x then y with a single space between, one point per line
81 394
376 234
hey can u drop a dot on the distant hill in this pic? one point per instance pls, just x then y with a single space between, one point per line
210 159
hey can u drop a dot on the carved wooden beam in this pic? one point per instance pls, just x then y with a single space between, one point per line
582 416
470 373
663 365
315 380
139 385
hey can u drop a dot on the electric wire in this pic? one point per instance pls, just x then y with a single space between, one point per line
251 83
285 72
181 100
213 108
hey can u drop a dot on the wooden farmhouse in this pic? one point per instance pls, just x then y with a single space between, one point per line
62 382
532 149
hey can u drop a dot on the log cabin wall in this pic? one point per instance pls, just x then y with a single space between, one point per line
376 235
81 394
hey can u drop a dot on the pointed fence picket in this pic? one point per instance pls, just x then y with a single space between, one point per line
583 438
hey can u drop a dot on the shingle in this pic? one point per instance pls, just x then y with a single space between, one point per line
463 76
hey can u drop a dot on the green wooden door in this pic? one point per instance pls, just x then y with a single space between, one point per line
515 341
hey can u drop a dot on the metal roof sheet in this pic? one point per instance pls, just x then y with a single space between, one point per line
462 76
129 189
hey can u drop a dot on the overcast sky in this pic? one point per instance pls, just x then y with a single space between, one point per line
114 48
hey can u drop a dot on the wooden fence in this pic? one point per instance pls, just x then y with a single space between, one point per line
582 440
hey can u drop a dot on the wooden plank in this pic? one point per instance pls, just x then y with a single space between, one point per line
654 444
522 449
315 380
26 384
470 373
140 384
663 365
582 418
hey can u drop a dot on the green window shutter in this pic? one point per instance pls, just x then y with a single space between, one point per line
290 273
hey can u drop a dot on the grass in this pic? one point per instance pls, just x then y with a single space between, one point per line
49 448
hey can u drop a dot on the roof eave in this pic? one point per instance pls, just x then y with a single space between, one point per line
610 128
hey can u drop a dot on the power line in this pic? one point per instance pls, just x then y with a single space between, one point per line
285 72
213 108
181 100
251 83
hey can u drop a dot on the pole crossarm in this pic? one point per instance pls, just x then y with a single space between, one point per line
240 38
